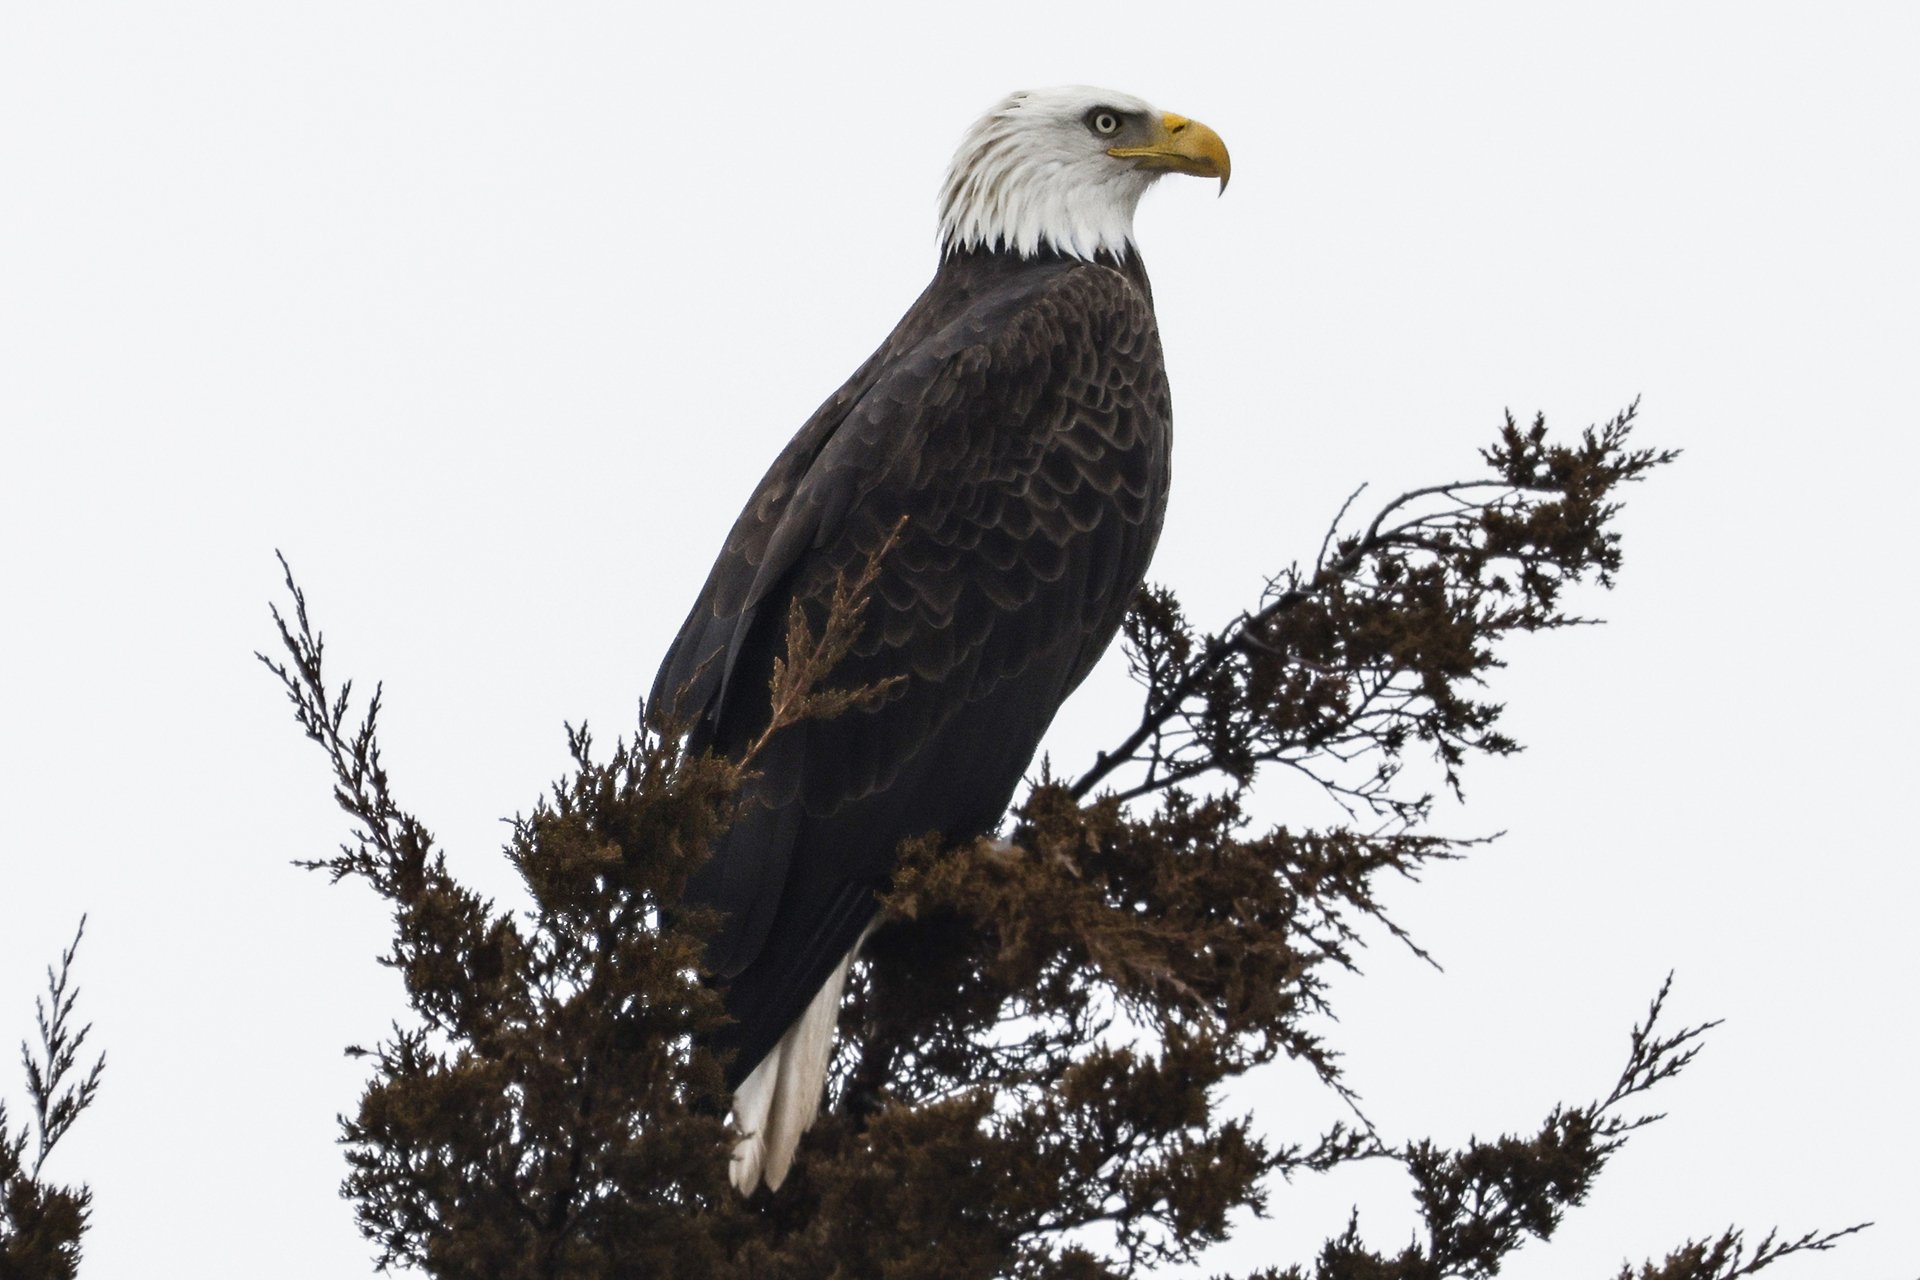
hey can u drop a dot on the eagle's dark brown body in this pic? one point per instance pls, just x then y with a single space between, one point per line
1018 418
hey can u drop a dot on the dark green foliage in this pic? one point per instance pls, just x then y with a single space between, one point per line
41 1223
1031 1058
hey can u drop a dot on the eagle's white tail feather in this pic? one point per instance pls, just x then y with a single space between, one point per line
780 1097
751 1102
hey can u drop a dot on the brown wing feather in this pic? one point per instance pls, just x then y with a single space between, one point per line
1019 420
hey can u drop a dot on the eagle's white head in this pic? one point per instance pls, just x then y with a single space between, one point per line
1064 169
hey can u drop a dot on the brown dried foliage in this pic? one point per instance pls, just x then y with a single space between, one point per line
1031 1063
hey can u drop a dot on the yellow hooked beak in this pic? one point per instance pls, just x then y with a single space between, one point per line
1182 146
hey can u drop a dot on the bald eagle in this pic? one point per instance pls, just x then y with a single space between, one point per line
1018 419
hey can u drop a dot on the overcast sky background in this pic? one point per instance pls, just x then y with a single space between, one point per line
491 316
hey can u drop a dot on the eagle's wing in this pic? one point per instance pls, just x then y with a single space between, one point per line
1024 436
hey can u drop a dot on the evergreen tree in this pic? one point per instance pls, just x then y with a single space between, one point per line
41 1222
1033 1052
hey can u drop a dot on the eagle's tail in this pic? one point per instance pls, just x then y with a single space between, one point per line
780 1097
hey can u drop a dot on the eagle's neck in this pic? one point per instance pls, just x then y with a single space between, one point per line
964 278
973 271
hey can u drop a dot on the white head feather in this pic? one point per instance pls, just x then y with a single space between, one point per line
1030 175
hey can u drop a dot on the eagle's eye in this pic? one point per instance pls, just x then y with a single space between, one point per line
1105 123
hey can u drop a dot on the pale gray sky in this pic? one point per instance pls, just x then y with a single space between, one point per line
491 319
